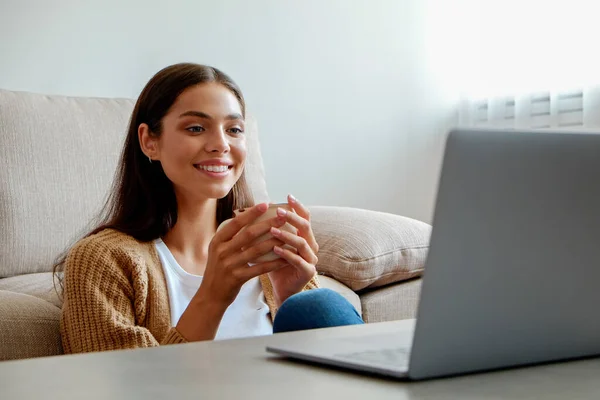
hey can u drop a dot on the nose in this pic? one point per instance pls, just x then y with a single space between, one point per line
217 142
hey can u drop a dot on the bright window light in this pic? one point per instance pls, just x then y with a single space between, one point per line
509 47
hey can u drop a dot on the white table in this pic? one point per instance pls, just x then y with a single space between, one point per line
241 369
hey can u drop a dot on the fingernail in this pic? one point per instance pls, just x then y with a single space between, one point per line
277 250
275 231
281 212
262 207
292 198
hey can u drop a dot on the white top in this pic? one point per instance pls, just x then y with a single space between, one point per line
248 315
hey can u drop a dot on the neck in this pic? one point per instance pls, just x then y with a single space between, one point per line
188 240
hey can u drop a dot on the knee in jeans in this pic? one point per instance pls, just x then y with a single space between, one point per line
313 298
316 308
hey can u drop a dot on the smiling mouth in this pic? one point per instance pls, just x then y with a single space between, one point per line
213 168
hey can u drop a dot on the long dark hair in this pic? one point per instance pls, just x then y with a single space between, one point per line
142 201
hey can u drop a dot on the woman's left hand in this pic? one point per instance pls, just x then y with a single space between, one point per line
301 267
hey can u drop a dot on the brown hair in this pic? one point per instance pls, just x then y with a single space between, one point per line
142 201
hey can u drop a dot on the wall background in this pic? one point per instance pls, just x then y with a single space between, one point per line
350 95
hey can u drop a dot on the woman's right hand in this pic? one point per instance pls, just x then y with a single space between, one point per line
227 269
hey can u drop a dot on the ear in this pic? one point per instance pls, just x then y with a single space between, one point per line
148 143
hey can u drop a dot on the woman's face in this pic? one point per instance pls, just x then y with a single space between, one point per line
202 147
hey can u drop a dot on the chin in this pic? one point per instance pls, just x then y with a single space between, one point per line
217 193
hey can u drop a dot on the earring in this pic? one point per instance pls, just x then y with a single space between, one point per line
149 159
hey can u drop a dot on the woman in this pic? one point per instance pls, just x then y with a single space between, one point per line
156 271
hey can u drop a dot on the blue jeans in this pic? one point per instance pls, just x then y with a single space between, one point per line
316 308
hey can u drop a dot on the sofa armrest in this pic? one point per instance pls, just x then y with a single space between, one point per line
393 302
368 249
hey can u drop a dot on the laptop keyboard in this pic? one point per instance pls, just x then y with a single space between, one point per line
395 357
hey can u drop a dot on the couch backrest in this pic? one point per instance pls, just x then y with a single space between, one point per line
58 156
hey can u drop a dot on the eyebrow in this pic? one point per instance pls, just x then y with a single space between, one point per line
200 114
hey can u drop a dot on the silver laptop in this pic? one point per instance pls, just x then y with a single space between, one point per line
513 272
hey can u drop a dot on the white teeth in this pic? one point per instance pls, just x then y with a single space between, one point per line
214 168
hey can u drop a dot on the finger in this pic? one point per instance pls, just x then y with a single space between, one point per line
295 260
298 207
302 225
251 234
240 221
252 253
298 243
255 270
304 212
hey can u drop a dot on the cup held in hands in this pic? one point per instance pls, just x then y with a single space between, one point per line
269 214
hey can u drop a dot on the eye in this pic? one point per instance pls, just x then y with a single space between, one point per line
195 129
235 131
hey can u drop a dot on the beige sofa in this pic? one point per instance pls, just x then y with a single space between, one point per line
57 159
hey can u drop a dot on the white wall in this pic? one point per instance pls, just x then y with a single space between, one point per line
349 109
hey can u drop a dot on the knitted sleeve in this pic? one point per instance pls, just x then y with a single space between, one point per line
312 284
98 311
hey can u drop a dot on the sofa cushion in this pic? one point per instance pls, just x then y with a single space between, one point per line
40 285
393 302
368 249
29 327
57 160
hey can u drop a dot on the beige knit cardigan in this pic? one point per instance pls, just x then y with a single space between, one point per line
115 296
